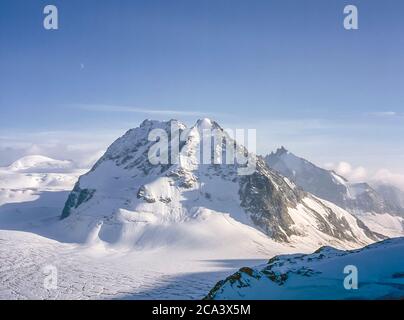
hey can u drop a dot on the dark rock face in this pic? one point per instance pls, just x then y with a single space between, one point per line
144 194
267 197
76 198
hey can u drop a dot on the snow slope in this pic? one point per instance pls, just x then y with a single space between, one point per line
389 225
321 275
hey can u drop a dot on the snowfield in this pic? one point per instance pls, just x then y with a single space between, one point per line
99 273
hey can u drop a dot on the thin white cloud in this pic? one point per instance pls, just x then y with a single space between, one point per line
385 176
345 169
129 109
360 174
383 114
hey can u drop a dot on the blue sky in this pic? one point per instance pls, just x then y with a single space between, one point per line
287 68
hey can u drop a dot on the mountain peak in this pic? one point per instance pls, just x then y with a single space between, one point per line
281 151
207 124
204 122
153 124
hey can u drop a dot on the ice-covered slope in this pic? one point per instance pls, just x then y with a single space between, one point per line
128 201
379 209
321 275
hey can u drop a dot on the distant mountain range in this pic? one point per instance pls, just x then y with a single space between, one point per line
380 207
326 184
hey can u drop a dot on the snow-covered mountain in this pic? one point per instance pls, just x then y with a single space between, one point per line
321 275
380 209
41 164
126 200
